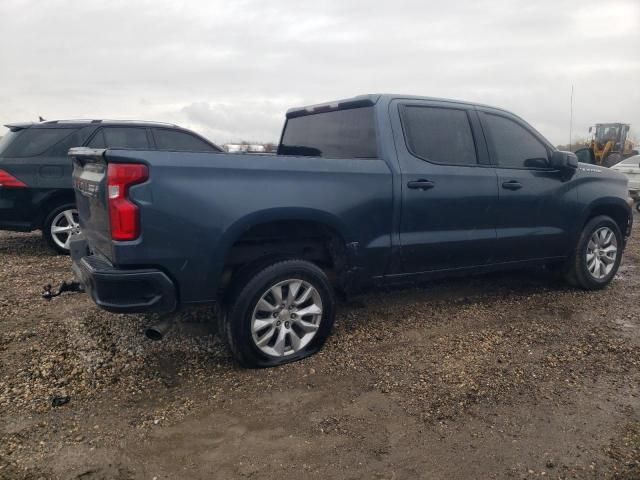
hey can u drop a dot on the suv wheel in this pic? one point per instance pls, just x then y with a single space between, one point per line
283 313
59 225
597 256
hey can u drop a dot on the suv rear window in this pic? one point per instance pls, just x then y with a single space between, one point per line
339 134
6 140
33 141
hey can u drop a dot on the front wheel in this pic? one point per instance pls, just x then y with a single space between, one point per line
283 313
59 225
597 256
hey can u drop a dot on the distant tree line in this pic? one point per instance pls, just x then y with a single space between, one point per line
575 145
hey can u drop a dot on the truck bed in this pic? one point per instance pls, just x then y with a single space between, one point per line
191 209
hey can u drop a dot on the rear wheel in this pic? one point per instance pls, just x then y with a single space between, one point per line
59 225
282 314
597 256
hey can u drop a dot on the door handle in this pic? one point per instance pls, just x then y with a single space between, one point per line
421 184
512 185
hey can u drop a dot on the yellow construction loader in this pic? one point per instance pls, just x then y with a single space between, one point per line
609 143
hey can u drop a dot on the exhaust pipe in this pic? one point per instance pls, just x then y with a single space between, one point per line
159 330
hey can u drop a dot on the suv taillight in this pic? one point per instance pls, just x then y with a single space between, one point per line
124 215
9 181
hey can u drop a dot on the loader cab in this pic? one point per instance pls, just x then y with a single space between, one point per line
611 132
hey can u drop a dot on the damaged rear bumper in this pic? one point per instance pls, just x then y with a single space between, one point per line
119 290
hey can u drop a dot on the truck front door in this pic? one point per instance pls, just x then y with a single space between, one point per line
537 204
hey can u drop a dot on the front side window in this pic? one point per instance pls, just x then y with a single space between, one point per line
120 137
346 133
514 146
439 135
180 141
35 141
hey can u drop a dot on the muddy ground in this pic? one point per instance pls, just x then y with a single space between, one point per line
502 376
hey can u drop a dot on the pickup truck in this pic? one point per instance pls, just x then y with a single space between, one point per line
371 191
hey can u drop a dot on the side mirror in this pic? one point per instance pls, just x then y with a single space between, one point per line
586 155
564 160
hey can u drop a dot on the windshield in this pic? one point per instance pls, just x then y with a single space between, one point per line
604 133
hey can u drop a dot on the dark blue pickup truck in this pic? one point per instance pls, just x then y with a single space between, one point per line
369 191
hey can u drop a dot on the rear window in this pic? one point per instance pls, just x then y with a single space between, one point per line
33 141
180 141
339 134
6 139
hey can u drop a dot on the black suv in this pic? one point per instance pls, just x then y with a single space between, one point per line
35 171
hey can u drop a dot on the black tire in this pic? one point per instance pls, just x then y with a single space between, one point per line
47 225
577 273
240 307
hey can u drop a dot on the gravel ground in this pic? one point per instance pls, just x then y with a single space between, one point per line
501 376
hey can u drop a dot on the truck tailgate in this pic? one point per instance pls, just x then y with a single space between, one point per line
90 184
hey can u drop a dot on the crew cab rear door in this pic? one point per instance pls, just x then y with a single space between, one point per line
449 190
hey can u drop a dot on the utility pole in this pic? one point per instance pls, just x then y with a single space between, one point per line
571 119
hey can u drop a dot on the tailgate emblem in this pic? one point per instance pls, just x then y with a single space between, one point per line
88 189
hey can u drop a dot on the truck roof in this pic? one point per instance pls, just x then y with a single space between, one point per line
370 100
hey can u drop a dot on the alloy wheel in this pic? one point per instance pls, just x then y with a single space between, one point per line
63 226
286 317
602 252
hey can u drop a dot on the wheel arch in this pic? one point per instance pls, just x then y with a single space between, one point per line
613 207
51 200
311 229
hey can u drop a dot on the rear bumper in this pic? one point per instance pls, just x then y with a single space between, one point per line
118 290
16 226
16 210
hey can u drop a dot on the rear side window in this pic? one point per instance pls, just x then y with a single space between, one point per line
120 137
439 135
513 145
35 141
339 134
180 141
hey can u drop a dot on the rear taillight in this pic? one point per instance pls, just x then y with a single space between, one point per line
9 181
124 215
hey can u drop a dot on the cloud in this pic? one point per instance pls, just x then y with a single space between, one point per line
231 69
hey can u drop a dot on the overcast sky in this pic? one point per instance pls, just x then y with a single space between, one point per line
230 69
